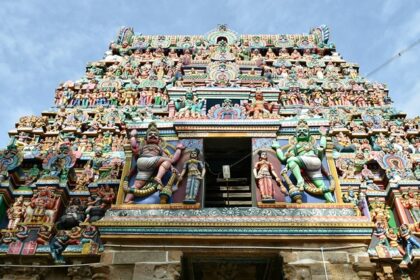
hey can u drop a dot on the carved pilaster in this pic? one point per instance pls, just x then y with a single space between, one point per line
101 272
23 273
386 273
365 270
79 272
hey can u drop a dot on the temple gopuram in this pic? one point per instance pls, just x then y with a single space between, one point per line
216 156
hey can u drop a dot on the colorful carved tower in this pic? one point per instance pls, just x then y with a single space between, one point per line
217 156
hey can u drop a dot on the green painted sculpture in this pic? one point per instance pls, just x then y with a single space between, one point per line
303 158
190 106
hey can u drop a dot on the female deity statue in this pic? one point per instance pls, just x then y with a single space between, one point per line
195 170
264 173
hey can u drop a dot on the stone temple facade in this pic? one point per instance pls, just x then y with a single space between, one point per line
215 156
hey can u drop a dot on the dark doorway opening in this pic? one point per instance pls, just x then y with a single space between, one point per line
228 267
222 38
233 192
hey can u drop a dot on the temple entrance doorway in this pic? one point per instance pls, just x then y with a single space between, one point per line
236 190
228 267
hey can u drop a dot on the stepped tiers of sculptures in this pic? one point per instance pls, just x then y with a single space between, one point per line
135 149
147 71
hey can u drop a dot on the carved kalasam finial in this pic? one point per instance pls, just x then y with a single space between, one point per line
222 27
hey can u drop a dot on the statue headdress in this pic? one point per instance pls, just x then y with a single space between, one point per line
152 128
302 123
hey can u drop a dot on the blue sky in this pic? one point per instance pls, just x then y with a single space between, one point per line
43 43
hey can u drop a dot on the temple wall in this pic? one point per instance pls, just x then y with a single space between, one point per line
343 264
343 261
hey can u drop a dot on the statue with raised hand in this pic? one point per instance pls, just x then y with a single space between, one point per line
152 159
303 158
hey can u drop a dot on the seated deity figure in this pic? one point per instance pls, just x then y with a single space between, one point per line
346 167
284 53
259 108
380 235
379 212
270 54
44 235
151 159
190 106
43 207
343 142
195 171
264 173
409 200
304 159
351 197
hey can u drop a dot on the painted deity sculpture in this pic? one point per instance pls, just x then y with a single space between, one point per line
152 159
379 212
195 171
259 108
57 164
89 235
43 207
96 209
393 239
303 159
44 235
351 197
408 200
410 242
342 143
190 106
264 173
16 213
346 167
107 194
73 215
367 178
57 246
380 233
